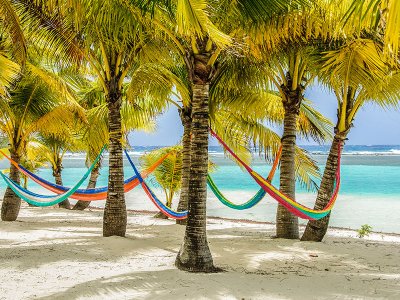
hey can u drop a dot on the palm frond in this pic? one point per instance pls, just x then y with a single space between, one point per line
357 62
9 72
50 30
386 93
56 122
307 170
192 19
35 156
11 21
377 16
54 82
314 124
258 10
135 117
157 82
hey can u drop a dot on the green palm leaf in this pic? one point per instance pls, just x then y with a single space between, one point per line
9 72
10 19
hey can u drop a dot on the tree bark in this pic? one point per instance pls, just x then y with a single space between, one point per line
316 229
184 195
58 179
195 255
11 202
115 215
287 224
81 205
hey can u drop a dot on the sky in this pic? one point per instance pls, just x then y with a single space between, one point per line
372 126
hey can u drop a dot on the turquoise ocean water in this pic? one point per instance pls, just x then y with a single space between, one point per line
370 191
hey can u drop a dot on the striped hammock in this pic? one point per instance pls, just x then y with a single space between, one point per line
93 194
294 207
46 200
161 206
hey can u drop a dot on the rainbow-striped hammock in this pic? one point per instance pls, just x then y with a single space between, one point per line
66 192
294 207
161 206
47 200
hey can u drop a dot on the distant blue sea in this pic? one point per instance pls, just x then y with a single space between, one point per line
370 191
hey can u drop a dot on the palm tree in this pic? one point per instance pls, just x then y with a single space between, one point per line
378 19
290 73
291 85
39 102
96 133
358 74
200 42
252 98
186 120
91 34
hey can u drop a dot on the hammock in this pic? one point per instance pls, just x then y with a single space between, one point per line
93 194
37 199
293 206
255 199
248 204
161 206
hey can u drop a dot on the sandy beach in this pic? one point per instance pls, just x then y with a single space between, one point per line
50 253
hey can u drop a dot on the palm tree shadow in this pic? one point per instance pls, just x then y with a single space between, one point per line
162 284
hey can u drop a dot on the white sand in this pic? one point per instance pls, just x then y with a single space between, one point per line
57 254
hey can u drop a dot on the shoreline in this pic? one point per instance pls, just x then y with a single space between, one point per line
246 221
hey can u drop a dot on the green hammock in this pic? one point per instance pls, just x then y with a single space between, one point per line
252 201
248 204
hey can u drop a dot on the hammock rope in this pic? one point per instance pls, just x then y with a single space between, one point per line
252 201
161 206
37 199
92 194
294 207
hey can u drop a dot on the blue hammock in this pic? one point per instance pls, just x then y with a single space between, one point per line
161 206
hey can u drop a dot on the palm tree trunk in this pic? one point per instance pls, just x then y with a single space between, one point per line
115 215
195 255
58 179
316 230
81 205
11 202
287 225
184 195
